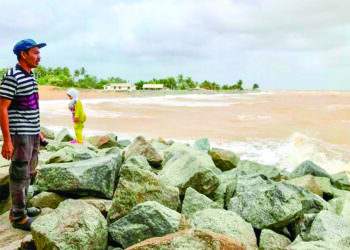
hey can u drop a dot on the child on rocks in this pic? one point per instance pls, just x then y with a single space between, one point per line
79 117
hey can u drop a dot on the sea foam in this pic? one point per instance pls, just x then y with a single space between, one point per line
190 100
289 153
285 154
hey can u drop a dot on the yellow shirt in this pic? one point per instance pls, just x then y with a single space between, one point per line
79 111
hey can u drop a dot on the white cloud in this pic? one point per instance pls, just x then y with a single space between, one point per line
267 41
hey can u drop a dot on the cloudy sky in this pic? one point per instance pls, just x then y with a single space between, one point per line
279 44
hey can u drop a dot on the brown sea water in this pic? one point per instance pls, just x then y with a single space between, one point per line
282 128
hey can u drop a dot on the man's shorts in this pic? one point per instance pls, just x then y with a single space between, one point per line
25 156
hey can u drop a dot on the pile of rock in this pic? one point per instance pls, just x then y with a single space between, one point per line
110 194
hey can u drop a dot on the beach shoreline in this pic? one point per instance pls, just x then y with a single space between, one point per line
47 92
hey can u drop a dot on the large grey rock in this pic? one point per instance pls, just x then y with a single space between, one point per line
4 162
47 133
10 238
123 143
308 182
44 156
136 186
308 167
326 187
195 202
191 239
311 202
328 225
32 191
218 196
96 177
109 151
142 147
226 222
271 240
113 136
101 204
104 141
338 193
73 225
342 180
249 182
227 187
301 227
341 206
138 161
299 244
64 136
160 145
185 167
146 220
250 167
241 182
202 145
161 141
46 210
70 154
275 206
224 159
54 146
28 243
47 199
328 231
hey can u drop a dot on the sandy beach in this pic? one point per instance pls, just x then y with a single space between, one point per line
53 93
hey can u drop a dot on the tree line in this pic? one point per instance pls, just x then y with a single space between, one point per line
79 78
62 77
182 83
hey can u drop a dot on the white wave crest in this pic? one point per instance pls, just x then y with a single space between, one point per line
253 117
192 100
288 154
335 107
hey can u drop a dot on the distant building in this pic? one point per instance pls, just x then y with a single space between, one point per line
152 86
119 87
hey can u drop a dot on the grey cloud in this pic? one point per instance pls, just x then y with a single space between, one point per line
308 25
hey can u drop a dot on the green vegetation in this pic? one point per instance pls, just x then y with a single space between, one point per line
62 77
255 86
187 83
2 72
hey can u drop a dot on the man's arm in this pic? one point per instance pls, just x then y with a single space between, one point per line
7 147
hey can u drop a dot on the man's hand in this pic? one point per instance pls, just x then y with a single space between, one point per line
75 119
7 147
41 137
7 150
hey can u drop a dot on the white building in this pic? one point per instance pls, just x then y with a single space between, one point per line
152 86
119 87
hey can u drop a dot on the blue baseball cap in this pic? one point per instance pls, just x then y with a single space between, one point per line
25 44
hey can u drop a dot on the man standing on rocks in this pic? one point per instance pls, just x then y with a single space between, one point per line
20 125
